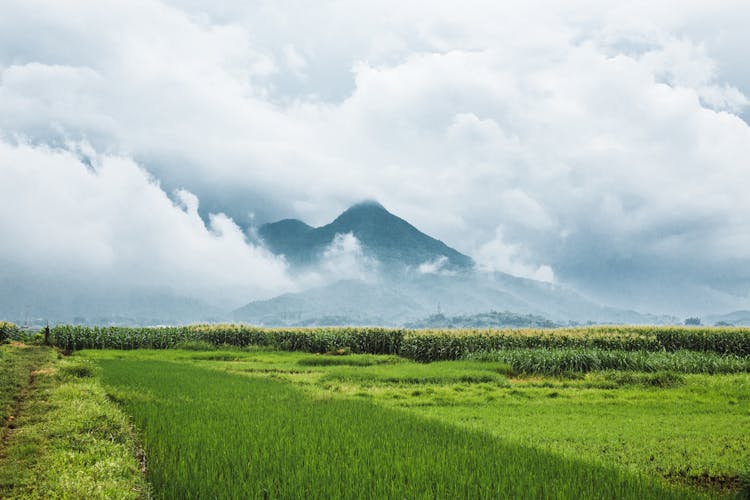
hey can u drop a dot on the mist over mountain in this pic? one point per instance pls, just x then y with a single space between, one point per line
734 318
389 239
403 277
396 301
416 277
35 301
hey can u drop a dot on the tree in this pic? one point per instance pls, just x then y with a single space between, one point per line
693 321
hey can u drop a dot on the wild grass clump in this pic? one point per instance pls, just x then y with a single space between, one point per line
195 345
744 486
662 379
353 360
76 369
441 372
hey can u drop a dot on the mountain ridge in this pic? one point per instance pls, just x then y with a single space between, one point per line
406 290
403 300
388 238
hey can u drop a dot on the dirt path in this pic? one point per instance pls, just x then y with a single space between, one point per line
20 366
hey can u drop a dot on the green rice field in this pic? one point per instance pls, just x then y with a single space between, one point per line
218 434
240 412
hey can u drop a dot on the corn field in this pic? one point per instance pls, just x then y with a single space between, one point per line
419 345
567 360
320 340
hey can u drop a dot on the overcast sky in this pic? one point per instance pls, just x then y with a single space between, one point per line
601 144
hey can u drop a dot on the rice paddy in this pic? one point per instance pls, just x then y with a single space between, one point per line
213 434
683 431
229 411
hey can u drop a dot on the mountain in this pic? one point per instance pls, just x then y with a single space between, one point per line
736 318
391 240
492 319
408 299
346 302
407 291
38 301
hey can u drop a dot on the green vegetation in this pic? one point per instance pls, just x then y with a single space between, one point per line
349 360
11 332
359 340
567 360
420 345
16 366
65 439
232 410
424 345
493 319
214 434
440 372
7 330
689 429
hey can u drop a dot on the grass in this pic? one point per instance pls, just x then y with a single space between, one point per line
210 433
17 362
688 429
349 360
694 433
440 372
560 414
67 439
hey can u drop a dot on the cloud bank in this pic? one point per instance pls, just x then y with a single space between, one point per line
105 219
592 143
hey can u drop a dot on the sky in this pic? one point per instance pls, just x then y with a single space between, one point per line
602 145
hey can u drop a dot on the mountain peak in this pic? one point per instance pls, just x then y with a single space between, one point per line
366 212
367 204
365 208
384 236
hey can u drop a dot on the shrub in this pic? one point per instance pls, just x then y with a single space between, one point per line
195 345
661 379
77 369
664 379
8 331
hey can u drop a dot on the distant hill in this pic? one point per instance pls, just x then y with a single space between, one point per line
391 240
396 301
492 319
405 291
347 302
39 301
736 318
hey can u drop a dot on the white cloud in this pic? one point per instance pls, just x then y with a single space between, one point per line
603 138
497 255
344 259
435 266
112 223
